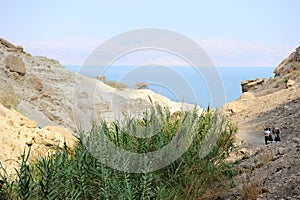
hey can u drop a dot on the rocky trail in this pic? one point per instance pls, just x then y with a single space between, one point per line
268 171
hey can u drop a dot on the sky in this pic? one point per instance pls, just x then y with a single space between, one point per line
232 32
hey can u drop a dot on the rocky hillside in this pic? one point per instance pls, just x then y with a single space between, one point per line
38 97
48 93
268 171
18 133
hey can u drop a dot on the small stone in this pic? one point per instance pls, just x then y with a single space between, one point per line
280 151
290 83
264 190
29 143
296 140
243 152
235 145
34 98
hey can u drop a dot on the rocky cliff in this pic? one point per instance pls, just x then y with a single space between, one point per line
18 133
48 93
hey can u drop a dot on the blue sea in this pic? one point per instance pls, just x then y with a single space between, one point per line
207 86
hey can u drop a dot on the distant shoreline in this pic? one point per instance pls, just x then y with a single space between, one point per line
231 76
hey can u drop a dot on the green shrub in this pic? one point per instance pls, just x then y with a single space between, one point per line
113 84
77 174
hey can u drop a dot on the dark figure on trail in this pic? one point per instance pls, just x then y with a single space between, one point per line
267 135
277 135
270 135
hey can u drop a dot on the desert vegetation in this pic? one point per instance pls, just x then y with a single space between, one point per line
141 85
114 84
77 174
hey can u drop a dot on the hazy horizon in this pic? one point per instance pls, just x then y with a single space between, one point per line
233 33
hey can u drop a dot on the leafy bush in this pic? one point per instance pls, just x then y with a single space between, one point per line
77 174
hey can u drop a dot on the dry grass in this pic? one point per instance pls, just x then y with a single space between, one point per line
251 188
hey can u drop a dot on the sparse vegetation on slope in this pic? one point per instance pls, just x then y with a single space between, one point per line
111 83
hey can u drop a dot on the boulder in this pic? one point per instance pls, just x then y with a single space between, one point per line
62 134
247 96
15 64
35 82
250 85
27 122
234 107
19 49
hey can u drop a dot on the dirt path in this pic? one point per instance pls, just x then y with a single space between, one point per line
253 114
252 139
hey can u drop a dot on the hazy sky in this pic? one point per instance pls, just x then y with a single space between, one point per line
232 32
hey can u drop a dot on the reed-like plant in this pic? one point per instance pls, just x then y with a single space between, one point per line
78 174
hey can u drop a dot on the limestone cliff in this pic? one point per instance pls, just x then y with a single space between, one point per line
48 93
18 133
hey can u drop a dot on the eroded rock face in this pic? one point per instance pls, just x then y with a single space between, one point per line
50 94
18 132
10 47
249 85
15 64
